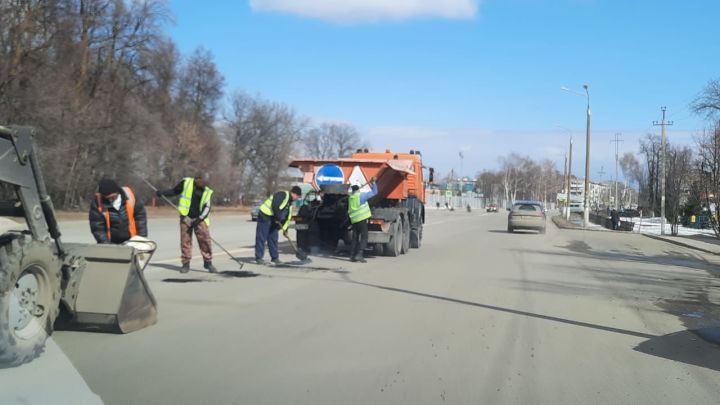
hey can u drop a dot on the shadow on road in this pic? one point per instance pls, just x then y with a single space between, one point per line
686 347
683 346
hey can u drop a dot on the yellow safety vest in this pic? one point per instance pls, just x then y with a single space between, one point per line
186 198
266 208
358 212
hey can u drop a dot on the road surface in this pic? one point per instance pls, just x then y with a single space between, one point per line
476 316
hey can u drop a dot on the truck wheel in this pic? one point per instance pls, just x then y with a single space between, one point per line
379 249
394 247
406 236
29 298
303 240
416 236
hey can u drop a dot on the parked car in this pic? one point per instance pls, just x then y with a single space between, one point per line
491 208
255 211
629 213
528 215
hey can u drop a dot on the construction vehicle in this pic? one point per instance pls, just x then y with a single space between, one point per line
398 210
47 284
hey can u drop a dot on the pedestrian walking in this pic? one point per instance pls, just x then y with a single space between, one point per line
274 215
359 213
115 214
615 218
194 207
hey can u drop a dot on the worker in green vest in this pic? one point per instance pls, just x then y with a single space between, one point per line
359 213
194 207
275 214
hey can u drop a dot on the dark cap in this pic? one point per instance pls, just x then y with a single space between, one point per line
355 187
107 187
296 190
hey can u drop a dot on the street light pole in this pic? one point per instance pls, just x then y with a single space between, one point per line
586 217
569 180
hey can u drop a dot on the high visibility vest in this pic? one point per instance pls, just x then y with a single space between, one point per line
129 208
358 212
186 198
266 208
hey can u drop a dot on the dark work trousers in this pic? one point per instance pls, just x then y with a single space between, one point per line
266 231
359 239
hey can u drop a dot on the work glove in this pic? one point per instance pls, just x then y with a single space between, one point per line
187 221
195 223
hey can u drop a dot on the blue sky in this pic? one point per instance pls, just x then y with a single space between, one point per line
483 77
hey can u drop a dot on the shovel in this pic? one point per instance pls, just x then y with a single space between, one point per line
299 253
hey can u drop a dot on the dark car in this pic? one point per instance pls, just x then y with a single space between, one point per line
629 213
255 211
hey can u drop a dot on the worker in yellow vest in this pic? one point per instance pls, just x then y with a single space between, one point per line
359 213
194 207
275 214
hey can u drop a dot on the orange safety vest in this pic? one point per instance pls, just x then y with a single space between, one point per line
129 207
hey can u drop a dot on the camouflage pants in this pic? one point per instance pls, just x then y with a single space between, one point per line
202 233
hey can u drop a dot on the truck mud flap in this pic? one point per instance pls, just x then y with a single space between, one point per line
378 237
108 292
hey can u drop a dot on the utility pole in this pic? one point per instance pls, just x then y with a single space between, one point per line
662 125
569 180
600 187
617 141
586 213
565 173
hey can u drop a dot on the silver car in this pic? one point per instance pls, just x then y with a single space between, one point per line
527 215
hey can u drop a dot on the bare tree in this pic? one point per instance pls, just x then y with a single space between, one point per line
679 169
707 103
650 147
329 140
709 165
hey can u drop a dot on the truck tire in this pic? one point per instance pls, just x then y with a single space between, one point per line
406 235
30 274
394 247
379 249
416 236
303 240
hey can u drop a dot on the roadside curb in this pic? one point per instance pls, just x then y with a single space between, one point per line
683 244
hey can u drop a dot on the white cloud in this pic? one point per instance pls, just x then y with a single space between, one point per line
371 10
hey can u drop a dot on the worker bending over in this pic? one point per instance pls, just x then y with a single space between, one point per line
115 214
275 214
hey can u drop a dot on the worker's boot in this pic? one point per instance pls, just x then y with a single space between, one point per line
209 266
185 268
276 262
359 258
259 262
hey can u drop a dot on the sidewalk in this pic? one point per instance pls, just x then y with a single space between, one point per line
707 244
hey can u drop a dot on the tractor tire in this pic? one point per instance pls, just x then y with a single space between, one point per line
394 247
406 235
416 236
30 289
379 249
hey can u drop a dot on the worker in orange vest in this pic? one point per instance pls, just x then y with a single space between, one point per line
115 214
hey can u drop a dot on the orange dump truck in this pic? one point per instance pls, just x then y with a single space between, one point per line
398 210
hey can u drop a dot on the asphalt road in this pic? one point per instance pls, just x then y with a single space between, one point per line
476 316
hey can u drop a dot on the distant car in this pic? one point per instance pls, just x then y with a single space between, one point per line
629 213
491 208
255 211
528 215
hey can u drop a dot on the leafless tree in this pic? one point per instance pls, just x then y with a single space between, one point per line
708 145
329 140
707 103
679 170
